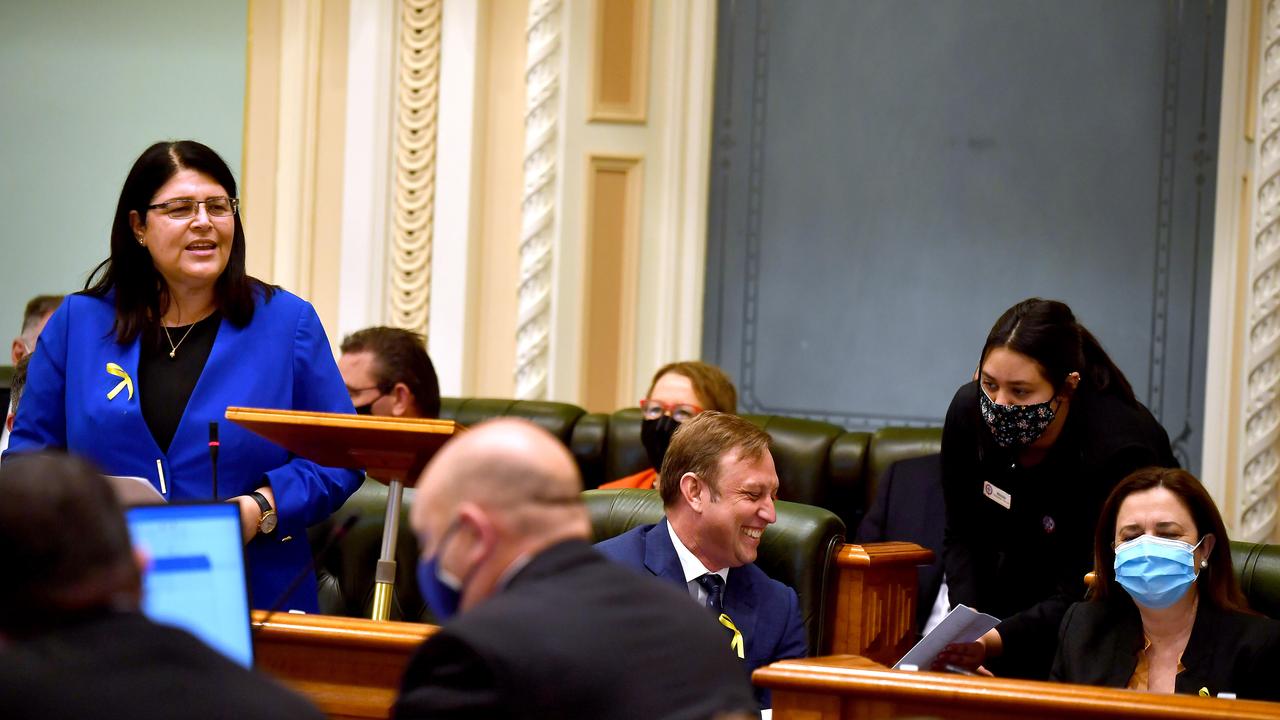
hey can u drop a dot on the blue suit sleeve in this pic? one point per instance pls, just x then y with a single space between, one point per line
42 409
307 493
793 644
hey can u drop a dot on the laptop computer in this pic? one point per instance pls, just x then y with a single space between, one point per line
196 578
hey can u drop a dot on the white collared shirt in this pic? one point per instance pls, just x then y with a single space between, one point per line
693 568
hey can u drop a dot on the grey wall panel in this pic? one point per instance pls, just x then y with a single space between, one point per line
889 176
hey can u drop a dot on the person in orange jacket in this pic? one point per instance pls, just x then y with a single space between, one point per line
679 391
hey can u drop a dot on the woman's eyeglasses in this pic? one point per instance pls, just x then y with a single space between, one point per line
185 208
654 409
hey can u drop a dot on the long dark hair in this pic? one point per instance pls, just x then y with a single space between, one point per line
1047 331
1217 581
141 293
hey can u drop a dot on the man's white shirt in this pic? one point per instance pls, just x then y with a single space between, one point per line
693 568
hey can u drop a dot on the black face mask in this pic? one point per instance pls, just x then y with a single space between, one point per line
656 436
365 409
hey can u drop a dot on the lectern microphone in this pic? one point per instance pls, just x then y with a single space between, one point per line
334 537
213 456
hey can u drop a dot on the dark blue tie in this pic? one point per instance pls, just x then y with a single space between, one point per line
714 585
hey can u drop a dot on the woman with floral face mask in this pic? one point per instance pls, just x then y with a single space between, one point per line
1030 450
1165 612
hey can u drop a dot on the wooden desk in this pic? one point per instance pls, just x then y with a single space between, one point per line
849 687
349 667
874 610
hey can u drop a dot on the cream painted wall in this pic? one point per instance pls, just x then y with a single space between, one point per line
674 143
498 237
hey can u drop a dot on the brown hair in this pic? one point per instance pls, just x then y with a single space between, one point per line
400 356
700 442
712 386
1217 582
38 307
53 576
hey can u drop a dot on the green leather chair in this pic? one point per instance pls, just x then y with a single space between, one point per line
581 432
1257 568
818 463
799 549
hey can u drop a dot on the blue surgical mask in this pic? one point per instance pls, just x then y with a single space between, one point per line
441 590
1155 571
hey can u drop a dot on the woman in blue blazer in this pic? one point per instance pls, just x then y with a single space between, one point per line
168 333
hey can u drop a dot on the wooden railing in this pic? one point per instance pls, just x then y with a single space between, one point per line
875 600
349 667
848 687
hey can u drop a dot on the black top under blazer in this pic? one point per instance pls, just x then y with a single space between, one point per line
1229 652
574 635
1026 564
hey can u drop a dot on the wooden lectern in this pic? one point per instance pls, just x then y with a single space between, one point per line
392 451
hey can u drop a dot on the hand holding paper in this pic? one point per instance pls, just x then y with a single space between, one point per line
961 625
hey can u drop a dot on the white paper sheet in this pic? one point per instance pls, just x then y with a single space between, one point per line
134 490
961 625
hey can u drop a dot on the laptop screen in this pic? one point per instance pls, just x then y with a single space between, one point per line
196 576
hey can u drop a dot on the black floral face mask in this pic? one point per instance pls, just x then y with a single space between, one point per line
1015 426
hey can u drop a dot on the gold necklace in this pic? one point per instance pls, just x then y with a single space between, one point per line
173 349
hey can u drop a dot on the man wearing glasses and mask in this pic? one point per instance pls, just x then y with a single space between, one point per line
388 373
679 391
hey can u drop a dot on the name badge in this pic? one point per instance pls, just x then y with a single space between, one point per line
996 495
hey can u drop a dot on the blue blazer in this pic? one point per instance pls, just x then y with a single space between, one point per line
281 359
765 611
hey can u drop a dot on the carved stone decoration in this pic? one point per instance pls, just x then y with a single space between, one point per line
413 205
1258 486
538 208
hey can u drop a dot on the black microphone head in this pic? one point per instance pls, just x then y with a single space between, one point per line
213 431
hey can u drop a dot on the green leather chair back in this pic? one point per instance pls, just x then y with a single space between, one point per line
1257 568
554 417
891 444
799 549
559 419
802 451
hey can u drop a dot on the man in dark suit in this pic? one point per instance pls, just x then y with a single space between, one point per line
718 486
72 641
909 507
547 627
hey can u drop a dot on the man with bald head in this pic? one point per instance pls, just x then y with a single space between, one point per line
718 486
544 626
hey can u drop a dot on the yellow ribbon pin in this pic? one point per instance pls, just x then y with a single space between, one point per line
736 642
126 382
1204 692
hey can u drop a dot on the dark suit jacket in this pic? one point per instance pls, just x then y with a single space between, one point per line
909 507
765 611
121 665
573 635
1227 651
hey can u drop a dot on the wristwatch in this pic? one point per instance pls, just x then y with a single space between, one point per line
267 524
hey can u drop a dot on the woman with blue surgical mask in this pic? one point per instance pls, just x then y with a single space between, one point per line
1030 449
1166 613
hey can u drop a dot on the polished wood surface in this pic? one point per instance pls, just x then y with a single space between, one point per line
349 667
387 448
875 600
852 687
